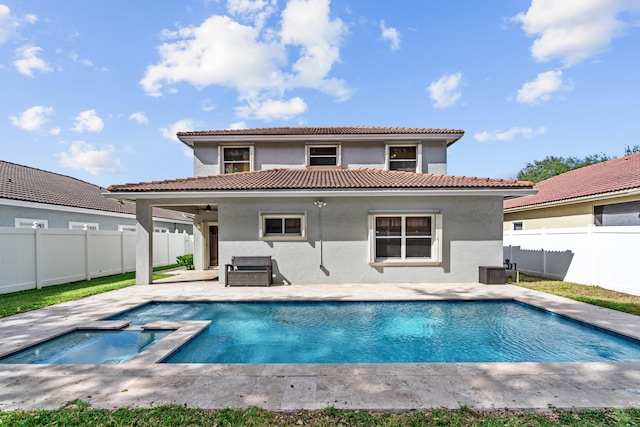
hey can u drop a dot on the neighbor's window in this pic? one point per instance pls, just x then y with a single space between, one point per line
31 223
289 226
323 155
160 230
126 228
236 159
617 214
404 158
83 226
518 226
406 238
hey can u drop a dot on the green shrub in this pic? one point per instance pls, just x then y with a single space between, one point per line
185 261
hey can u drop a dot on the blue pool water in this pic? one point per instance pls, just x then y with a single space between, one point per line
89 346
385 332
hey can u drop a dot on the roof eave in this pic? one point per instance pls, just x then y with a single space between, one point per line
449 138
574 200
320 192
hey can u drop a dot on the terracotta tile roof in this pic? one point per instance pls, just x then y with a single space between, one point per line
322 179
328 130
614 175
18 182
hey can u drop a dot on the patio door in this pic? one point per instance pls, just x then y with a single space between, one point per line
213 246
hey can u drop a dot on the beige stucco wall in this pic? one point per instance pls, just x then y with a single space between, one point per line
565 216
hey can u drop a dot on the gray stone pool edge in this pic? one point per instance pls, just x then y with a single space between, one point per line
392 387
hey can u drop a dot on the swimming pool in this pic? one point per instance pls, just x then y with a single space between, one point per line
88 346
384 332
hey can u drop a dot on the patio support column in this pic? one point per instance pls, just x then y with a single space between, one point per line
144 243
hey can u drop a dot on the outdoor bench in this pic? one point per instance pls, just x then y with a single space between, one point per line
248 271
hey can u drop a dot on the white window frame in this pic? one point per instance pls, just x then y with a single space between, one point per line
160 230
263 216
31 223
436 239
223 162
127 228
74 225
308 155
387 160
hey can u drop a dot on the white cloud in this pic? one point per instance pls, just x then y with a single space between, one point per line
8 24
207 106
140 117
259 63
445 92
542 88
390 34
574 30
32 119
83 156
31 18
183 125
255 10
27 60
509 135
88 121
238 125
272 109
55 131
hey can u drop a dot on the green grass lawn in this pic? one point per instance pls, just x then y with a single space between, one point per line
590 294
19 302
80 414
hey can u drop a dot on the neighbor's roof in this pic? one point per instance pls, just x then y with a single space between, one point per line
607 177
321 130
321 179
18 182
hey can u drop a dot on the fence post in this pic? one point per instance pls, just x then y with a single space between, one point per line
39 256
86 256
121 251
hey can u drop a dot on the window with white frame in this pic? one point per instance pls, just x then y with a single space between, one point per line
406 238
406 158
160 230
236 159
126 228
83 226
283 226
323 155
31 223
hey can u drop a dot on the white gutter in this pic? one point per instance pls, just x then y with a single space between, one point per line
85 211
603 196
178 195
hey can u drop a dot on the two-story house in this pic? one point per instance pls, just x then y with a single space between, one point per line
332 205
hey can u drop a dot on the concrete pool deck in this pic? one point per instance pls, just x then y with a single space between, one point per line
141 382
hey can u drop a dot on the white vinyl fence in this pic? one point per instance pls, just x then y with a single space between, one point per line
608 257
35 258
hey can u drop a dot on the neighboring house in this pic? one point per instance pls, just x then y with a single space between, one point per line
332 205
604 194
33 198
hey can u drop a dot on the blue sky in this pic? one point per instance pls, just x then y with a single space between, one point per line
97 89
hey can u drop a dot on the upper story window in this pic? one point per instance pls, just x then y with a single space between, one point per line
323 155
126 228
517 226
407 158
236 159
31 223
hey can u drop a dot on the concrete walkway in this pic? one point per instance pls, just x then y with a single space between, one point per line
397 387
